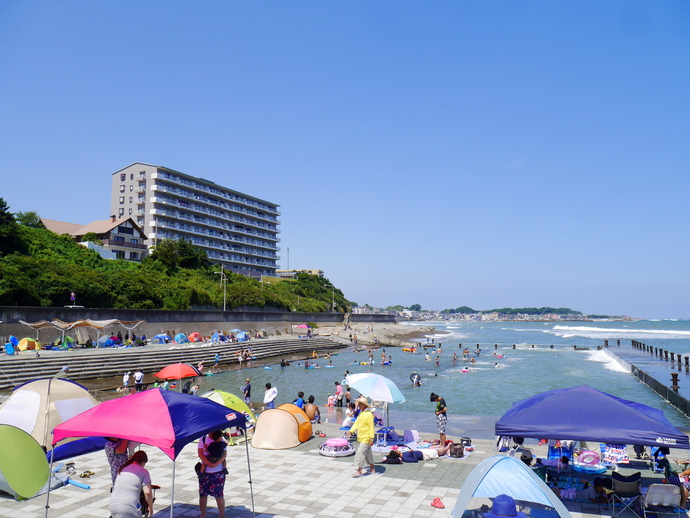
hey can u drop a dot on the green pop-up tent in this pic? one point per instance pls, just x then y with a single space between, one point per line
23 464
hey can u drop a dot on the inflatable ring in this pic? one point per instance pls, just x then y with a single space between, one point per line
589 458
413 376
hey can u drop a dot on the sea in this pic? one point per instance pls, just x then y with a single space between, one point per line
517 360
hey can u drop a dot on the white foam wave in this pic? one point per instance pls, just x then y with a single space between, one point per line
611 330
609 362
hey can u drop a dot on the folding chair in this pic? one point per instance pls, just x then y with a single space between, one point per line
626 492
661 499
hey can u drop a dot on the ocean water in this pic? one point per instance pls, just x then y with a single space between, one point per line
494 382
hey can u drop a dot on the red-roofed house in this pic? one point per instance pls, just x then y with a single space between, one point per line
121 238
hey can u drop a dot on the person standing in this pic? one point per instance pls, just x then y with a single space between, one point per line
270 396
130 482
364 426
125 383
116 452
212 480
441 417
247 391
138 380
338 394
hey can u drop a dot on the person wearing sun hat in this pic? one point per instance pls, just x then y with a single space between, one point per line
504 507
364 426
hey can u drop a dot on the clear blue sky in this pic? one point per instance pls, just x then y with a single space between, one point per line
486 154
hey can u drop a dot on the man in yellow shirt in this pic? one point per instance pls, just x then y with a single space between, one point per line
364 426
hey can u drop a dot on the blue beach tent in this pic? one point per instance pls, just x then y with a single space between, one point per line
586 414
161 338
180 338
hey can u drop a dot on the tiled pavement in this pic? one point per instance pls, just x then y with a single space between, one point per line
297 483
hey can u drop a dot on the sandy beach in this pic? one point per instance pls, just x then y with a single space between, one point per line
388 334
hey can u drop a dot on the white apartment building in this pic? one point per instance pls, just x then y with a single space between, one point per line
236 230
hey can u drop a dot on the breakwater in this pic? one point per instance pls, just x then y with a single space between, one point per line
666 373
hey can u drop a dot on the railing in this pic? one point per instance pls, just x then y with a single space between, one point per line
123 244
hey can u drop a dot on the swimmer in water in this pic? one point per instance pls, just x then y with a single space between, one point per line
473 360
428 358
455 357
438 361
496 364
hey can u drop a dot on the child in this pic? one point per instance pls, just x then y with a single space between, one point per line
215 451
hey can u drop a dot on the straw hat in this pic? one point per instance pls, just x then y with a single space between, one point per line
504 507
526 456
364 401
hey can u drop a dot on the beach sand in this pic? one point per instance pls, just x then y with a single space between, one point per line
388 334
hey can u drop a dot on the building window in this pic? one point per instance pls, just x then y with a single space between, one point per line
131 188
122 199
119 254
123 177
131 176
131 199
122 188
134 256
130 212
135 241
121 212
142 175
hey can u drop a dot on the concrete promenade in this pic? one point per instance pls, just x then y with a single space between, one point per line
296 483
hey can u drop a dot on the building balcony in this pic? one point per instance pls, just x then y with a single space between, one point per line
123 244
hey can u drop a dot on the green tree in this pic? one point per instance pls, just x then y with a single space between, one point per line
9 231
91 237
179 253
416 307
29 219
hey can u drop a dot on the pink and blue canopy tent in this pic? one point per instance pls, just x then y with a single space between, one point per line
161 418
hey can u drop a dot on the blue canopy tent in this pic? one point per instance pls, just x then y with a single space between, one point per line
585 414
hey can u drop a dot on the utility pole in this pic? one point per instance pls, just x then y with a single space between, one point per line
224 283
332 297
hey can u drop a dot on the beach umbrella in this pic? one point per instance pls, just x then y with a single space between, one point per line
14 340
303 326
236 331
177 371
375 386
160 418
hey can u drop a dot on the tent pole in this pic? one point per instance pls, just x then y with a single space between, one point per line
50 478
172 492
249 467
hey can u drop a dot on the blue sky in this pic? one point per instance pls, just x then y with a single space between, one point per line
486 154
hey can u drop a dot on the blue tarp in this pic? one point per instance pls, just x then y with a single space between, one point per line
586 414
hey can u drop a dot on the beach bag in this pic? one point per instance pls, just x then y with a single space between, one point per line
411 436
197 469
457 450
465 441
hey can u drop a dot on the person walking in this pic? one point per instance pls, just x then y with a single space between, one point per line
270 396
132 479
364 426
338 394
441 417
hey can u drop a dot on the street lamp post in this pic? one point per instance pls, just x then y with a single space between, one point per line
224 283
332 297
